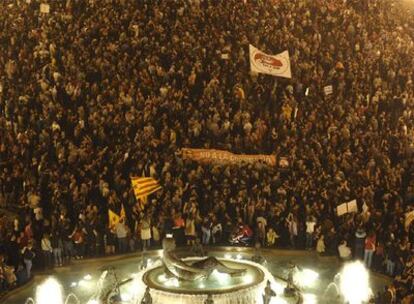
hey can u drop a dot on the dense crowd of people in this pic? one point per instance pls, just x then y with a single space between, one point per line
94 92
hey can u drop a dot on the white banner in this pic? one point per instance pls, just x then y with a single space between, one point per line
348 207
276 65
226 157
352 206
342 209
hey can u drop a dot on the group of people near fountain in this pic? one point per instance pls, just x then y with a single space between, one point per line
94 92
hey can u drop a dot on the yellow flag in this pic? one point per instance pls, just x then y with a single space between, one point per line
113 218
123 215
142 202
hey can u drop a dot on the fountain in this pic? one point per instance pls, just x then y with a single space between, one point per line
50 291
194 280
333 285
72 296
227 278
351 284
354 283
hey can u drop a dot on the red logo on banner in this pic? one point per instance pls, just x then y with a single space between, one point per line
268 60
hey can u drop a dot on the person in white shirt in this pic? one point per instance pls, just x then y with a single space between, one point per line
38 211
121 234
292 225
320 245
344 251
145 232
310 231
47 251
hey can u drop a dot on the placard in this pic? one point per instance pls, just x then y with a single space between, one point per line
44 8
328 90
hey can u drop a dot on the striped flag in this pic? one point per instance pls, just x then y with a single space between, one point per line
144 186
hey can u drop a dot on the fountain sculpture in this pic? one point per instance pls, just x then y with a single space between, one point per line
198 280
201 269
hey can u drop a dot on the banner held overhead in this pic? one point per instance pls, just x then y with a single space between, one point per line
226 157
276 65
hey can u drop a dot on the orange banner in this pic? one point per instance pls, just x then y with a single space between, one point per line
221 156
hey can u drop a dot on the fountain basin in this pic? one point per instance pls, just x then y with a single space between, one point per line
325 290
216 283
246 288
